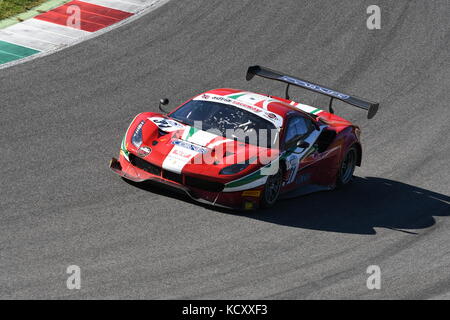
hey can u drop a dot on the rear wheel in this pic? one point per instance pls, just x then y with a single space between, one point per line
272 189
347 167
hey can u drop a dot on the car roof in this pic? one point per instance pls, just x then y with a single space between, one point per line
279 106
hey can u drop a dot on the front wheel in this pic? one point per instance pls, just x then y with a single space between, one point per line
272 189
347 168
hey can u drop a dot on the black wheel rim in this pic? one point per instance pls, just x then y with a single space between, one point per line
348 166
273 186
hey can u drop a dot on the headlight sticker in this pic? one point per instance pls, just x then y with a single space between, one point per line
136 139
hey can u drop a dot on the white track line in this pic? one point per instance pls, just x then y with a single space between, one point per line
26 41
118 5
56 28
31 32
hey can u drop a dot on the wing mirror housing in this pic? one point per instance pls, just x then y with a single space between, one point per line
163 102
297 143
302 144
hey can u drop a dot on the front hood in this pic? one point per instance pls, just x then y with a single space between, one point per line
184 149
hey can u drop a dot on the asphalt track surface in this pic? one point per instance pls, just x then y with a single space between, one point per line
63 117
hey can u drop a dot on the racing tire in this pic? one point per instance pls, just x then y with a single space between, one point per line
347 168
272 189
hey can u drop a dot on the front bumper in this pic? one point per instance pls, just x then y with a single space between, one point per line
241 200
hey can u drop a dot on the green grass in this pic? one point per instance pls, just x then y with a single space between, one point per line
9 8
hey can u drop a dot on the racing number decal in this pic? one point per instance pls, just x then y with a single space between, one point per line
167 125
162 123
294 159
292 162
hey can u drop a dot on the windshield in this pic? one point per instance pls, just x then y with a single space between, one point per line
231 122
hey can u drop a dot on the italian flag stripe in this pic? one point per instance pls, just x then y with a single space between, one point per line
235 96
250 178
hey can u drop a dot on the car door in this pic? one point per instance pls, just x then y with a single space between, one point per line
299 159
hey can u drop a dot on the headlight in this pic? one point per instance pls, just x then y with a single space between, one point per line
136 139
234 168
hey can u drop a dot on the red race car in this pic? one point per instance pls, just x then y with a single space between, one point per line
244 150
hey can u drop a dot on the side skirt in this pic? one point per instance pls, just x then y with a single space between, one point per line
304 190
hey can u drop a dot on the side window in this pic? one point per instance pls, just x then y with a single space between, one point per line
297 127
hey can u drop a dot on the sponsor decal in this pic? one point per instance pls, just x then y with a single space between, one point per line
277 120
251 193
144 151
254 109
235 102
271 115
222 99
315 87
189 146
181 154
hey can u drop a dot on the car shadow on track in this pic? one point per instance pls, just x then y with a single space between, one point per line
358 208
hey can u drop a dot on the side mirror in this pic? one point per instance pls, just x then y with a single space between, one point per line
163 102
302 144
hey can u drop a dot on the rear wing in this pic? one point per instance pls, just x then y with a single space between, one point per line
371 107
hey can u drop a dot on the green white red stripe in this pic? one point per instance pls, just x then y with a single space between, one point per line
263 101
179 156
